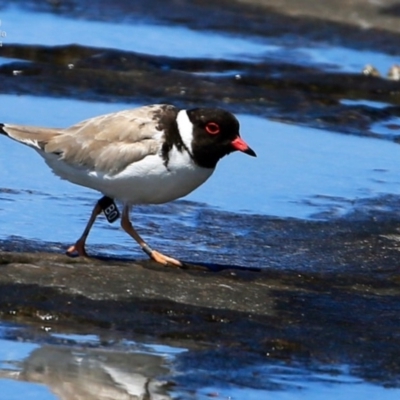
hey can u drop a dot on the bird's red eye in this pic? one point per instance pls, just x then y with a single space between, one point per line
212 128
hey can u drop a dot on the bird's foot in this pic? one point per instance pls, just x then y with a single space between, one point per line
159 257
78 249
165 260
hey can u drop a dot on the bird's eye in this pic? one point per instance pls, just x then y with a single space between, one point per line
212 128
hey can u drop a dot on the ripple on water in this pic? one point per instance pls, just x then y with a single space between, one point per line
143 38
32 362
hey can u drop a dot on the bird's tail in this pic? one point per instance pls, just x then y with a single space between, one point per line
29 135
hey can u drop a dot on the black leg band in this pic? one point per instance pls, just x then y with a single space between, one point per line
109 208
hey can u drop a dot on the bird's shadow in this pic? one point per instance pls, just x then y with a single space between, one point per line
186 265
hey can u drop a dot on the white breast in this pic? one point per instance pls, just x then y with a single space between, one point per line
150 181
147 181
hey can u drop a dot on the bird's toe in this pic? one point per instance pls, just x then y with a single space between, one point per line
165 260
77 250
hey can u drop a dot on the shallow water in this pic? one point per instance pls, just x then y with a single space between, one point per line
178 41
140 37
345 59
68 365
299 172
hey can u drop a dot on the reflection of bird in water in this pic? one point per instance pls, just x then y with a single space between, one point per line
87 374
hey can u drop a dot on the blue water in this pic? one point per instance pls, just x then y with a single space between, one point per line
390 127
297 173
25 27
76 364
387 128
16 390
313 391
346 60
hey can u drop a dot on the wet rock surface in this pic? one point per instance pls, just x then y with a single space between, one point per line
327 292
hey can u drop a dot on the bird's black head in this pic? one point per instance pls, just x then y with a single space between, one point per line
215 134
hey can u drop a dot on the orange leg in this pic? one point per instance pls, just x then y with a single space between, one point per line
78 249
155 255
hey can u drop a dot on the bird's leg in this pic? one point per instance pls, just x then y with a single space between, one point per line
155 255
79 247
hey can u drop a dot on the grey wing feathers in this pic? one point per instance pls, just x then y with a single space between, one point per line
107 143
